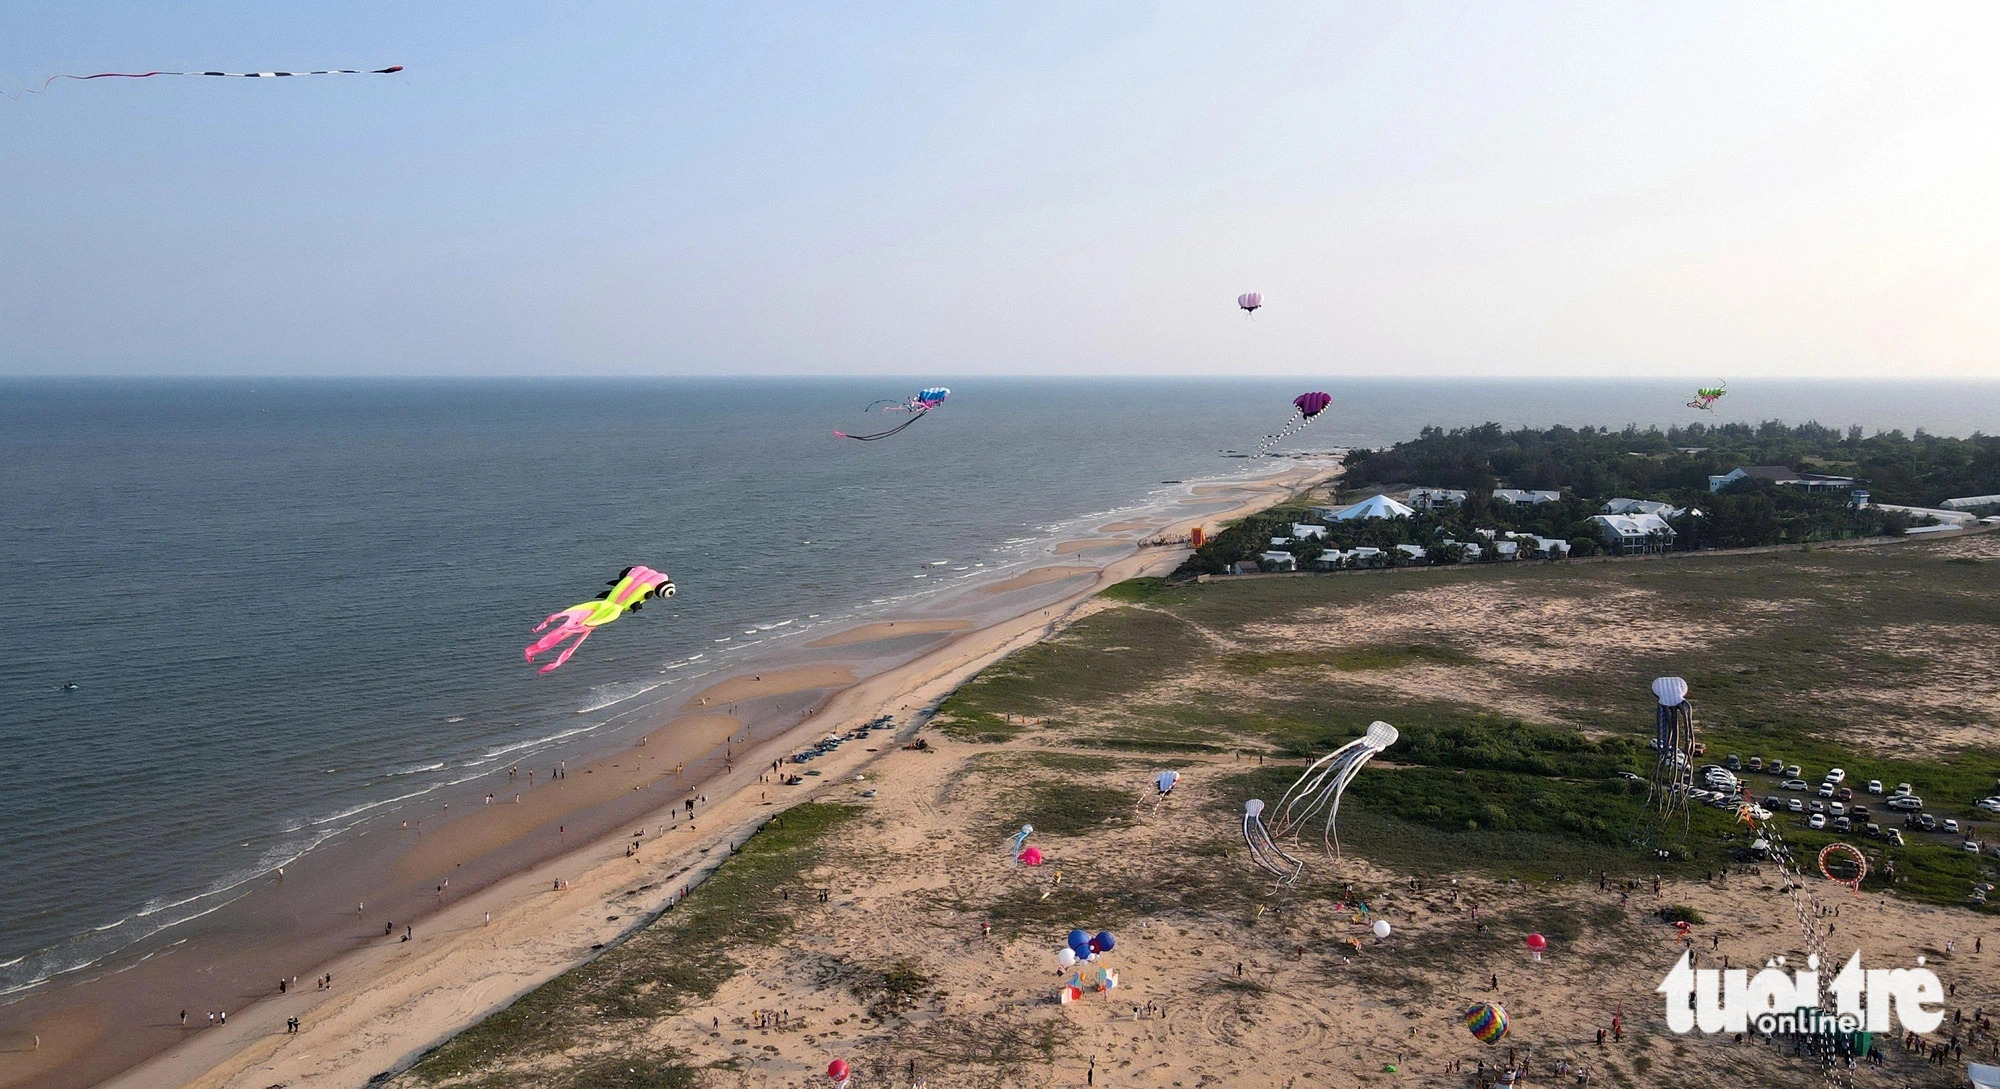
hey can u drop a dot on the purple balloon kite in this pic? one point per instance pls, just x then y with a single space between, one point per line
1304 407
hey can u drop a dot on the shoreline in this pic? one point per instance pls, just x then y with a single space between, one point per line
462 967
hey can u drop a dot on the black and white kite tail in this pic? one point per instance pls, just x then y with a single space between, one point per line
391 70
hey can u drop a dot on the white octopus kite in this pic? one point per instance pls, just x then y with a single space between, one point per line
1317 791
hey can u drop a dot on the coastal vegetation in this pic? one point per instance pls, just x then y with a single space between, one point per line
1589 466
1597 463
1522 699
602 1008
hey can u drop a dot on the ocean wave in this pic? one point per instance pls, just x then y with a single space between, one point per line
414 769
535 742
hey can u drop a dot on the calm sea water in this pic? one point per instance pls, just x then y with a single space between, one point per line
287 605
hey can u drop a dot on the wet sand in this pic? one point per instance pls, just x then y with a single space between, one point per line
1069 548
394 998
1040 576
770 682
892 629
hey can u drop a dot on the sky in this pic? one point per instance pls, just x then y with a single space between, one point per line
1497 189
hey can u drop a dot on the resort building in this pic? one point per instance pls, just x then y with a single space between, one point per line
1278 561
1516 495
1629 533
1642 506
1434 498
1303 531
1375 506
1778 474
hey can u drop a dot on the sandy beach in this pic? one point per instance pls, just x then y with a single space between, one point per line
391 998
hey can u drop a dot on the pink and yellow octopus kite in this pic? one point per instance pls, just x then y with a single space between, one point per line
629 590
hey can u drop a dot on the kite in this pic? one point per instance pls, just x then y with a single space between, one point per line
1706 396
1304 407
918 407
1165 782
1487 1022
1673 744
1018 842
1325 780
1249 302
1263 850
1860 865
391 70
632 587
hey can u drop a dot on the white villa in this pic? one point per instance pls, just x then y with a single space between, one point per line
1642 506
1630 533
1516 495
1433 498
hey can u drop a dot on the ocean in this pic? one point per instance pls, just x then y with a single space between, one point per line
288 606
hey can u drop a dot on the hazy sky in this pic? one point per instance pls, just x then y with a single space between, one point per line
1718 191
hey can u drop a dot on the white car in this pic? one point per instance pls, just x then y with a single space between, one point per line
1837 809
1792 784
1874 786
1951 825
1837 776
1816 821
1826 790
1971 845
1906 801
1796 805
1905 788
1794 771
1991 805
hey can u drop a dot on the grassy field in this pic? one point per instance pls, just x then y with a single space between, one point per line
679 960
1522 693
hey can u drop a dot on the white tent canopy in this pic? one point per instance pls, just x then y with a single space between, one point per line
1375 506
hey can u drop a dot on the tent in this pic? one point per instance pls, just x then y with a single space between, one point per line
1375 506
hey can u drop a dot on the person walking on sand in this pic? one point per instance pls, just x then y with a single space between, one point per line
184 1018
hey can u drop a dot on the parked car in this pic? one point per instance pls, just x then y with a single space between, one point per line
1927 822
1845 794
1971 845
1733 762
1991 805
1836 809
1816 806
1906 801
1951 825
1842 824
1894 836
1796 805
1792 784
1873 831
1794 771
1816 821
1774 802
1857 810
1756 763
1874 786
1905 788
1836 776
1826 790
1775 765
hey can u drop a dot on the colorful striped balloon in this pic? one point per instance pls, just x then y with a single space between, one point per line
1487 1022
